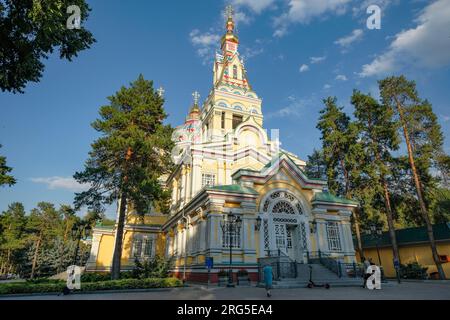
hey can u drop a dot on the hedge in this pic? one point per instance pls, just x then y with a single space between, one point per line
23 287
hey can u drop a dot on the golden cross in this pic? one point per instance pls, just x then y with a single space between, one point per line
229 11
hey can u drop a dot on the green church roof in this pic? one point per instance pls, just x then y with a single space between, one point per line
409 236
235 188
331 198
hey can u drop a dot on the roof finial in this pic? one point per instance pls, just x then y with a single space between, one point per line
196 96
229 12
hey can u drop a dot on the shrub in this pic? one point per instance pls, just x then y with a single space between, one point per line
222 273
242 273
17 288
413 271
157 267
95 277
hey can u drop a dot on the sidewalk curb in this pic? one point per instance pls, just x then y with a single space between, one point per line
87 292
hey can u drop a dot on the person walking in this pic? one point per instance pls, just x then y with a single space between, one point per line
366 275
268 278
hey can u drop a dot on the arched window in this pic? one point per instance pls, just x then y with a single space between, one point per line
283 207
235 72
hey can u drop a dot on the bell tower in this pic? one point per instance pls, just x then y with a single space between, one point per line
232 99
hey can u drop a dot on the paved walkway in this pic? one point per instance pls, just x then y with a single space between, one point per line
390 291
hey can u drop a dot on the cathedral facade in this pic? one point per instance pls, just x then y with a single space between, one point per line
237 197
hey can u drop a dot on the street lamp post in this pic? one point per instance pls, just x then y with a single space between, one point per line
80 230
231 224
376 233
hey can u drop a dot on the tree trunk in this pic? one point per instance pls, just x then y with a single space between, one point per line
423 208
390 221
358 236
117 256
356 215
61 251
35 257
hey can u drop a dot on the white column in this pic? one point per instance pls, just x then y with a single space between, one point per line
196 175
188 195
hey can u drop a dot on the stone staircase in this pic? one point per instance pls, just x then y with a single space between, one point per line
320 275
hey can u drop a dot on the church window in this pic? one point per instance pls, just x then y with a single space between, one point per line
238 108
223 104
235 72
137 248
148 247
237 120
280 236
303 235
283 207
254 111
208 179
289 238
275 195
266 205
266 235
334 241
231 237
222 120
299 208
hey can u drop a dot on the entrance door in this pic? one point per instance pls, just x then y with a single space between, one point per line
280 237
290 241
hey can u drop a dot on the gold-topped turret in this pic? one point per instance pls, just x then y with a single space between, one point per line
229 35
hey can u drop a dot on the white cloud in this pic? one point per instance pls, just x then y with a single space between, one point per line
326 86
304 11
315 60
427 45
445 118
67 183
293 109
346 41
341 77
303 68
256 6
205 43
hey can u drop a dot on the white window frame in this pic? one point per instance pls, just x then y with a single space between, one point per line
208 179
333 236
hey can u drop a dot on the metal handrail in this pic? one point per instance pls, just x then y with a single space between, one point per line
326 260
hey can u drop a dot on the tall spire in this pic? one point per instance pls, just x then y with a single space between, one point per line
229 12
229 35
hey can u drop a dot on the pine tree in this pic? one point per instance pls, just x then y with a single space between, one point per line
401 96
341 152
126 162
5 177
12 236
378 133
43 224
316 166
30 31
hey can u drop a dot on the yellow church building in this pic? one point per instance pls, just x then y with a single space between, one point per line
229 168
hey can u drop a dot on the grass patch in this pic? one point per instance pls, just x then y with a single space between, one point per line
123 284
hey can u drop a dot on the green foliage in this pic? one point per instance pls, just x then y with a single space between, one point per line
128 160
316 166
132 153
157 267
30 31
42 238
242 273
57 287
222 273
5 177
413 271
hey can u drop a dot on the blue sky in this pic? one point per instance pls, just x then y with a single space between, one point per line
297 52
